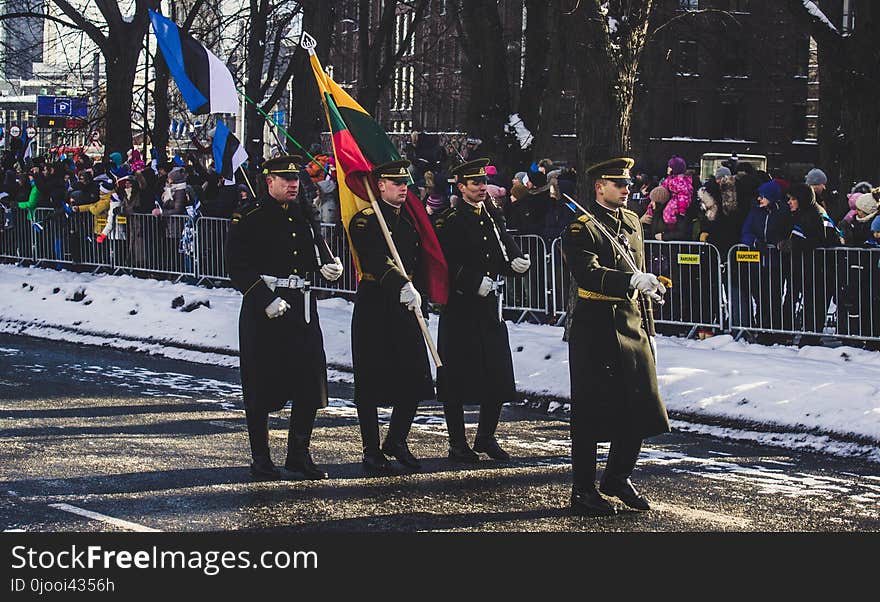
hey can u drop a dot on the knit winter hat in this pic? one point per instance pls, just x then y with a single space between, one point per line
722 172
177 175
867 204
435 202
771 191
678 165
537 179
815 177
520 175
491 170
861 187
660 195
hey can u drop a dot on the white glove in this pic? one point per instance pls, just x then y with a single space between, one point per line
332 271
410 297
647 283
485 286
277 307
653 341
521 264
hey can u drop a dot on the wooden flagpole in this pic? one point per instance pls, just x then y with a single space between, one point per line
399 262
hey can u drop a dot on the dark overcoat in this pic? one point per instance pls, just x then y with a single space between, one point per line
388 352
472 341
613 374
281 358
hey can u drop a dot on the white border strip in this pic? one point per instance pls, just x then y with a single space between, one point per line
104 518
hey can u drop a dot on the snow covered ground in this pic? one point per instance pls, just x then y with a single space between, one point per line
811 398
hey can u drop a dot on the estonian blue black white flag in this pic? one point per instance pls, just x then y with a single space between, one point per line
229 154
203 80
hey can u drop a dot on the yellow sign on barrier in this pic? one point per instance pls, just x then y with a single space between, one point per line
688 259
100 222
748 256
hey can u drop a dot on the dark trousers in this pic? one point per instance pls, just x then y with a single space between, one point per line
621 458
398 430
490 414
302 420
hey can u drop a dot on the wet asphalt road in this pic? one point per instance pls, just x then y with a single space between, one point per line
95 439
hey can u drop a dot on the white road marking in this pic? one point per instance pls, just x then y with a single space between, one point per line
104 518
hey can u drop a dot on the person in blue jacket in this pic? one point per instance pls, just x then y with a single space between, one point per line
766 224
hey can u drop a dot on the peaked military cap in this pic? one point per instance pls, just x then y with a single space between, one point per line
472 170
613 169
397 171
285 166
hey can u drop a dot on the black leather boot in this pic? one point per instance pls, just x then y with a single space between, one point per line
625 492
586 501
400 450
375 463
395 442
262 469
485 440
488 444
299 437
299 459
459 450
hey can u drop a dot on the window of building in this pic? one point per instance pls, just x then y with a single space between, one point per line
731 121
799 121
734 61
802 57
684 117
686 58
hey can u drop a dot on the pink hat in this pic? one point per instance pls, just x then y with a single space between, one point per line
491 170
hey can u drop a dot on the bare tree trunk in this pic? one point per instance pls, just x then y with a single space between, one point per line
609 47
557 66
256 56
307 119
120 73
849 120
485 71
378 56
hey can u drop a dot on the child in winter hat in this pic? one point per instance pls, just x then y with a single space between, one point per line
867 204
677 165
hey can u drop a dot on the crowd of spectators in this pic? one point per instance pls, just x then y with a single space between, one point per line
736 205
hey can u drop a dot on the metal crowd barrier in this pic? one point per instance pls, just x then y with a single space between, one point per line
16 241
826 292
695 298
823 292
531 292
338 243
211 233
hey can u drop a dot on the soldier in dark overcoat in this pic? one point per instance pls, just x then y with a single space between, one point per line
472 338
272 259
614 395
388 352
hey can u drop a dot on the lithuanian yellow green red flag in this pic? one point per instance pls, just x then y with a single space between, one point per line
359 144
